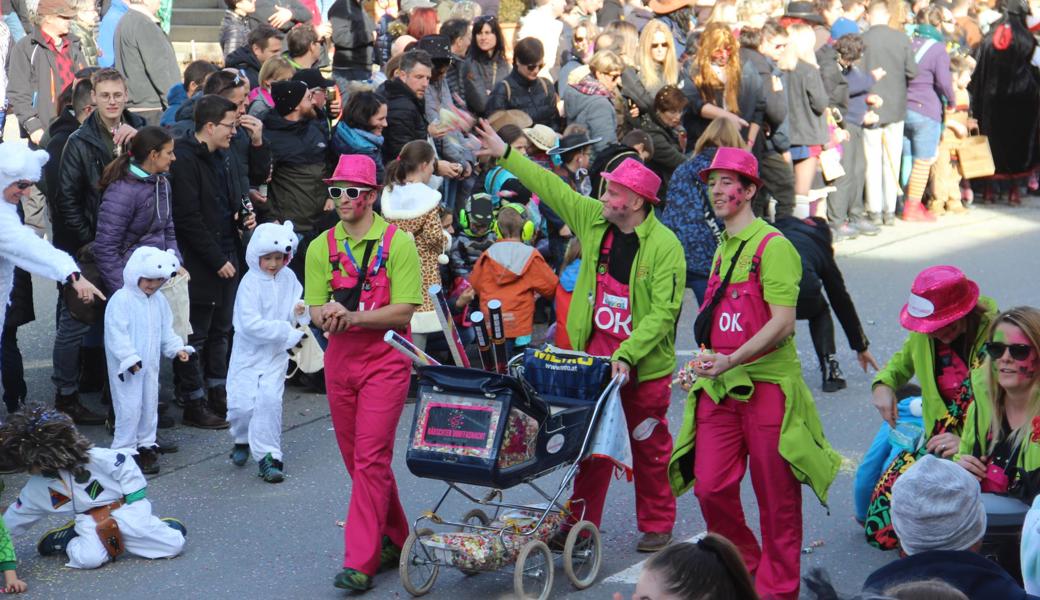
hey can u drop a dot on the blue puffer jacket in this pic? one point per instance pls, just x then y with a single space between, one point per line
135 211
688 211
347 140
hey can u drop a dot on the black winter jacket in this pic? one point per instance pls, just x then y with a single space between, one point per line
245 60
82 162
776 102
299 154
203 217
352 35
536 98
405 118
33 84
480 75
54 143
249 166
265 9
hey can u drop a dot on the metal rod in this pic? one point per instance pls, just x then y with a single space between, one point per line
487 357
406 347
498 334
451 333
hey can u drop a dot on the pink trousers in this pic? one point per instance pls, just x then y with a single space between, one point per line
646 410
367 383
728 434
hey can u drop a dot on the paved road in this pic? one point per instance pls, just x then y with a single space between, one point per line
248 539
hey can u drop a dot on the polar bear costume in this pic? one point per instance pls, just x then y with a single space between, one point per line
138 329
19 245
113 476
265 328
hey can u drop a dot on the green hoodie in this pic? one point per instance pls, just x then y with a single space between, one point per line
657 281
917 356
976 429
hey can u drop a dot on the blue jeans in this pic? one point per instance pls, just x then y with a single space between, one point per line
67 341
699 285
15 25
922 134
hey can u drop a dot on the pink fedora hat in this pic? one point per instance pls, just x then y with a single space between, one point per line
939 296
637 177
355 168
736 160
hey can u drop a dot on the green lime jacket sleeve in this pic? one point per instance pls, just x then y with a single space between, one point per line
8 562
577 211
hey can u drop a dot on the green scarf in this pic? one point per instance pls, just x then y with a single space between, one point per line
929 31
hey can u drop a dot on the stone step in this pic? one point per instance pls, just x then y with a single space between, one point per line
196 17
203 51
199 33
216 4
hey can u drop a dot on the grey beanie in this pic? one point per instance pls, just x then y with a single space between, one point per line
937 505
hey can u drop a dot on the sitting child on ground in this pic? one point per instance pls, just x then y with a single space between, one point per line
474 233
513 272
102 489
882 450
268 310
138 330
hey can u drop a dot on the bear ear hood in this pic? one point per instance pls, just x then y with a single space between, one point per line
268 238
150 263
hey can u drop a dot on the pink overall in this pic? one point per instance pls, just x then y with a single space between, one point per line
646 410
731 432
367 383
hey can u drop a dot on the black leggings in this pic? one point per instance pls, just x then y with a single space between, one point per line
813 307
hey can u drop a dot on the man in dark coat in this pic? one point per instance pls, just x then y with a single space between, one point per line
406 108
820 273
353 37
264 42
92 146
299 151
887 49
204 215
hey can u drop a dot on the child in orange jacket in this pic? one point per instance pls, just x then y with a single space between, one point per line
513 272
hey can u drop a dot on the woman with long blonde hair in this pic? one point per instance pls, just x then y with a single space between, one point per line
1001 441
658 64
719 83
626 45
807 102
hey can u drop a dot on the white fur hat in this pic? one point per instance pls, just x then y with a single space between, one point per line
18 162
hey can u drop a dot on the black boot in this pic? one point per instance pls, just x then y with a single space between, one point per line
80 414
218 401
164 445
833 380
196 414
147 460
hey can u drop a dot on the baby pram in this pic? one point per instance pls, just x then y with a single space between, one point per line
494 431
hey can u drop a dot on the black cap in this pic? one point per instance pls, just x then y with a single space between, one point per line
437 46
287 95
800 9
313 78
574 141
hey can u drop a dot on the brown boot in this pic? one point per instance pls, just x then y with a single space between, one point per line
197 415
652 542
81 415
955 206
218 401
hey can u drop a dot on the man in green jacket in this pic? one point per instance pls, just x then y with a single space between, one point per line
626 304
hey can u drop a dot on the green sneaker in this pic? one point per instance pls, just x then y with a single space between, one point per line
271 469
354 580
389 555
57 539
240 454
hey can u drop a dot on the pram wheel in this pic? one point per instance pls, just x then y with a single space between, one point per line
533 574
419 568
474 518
581 554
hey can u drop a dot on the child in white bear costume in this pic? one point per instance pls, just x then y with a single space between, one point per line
138 330
268 308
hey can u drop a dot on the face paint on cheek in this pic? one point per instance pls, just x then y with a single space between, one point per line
734 200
